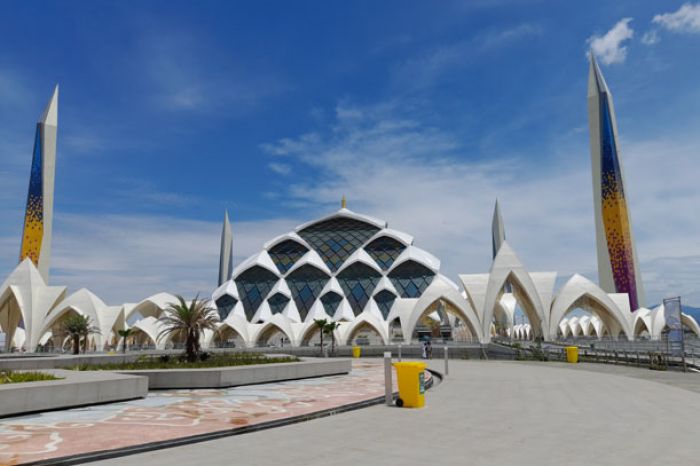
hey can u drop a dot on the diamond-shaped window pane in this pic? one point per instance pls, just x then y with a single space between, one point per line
286 254
358 282
277 303
306 284
331 301
411 279
253 285
384 251
224 306
336 239
384 299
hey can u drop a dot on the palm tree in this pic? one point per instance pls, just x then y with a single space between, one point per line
189 321
330 329
125 333
77 326
321 325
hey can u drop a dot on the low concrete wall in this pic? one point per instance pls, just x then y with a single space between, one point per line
217 377
75 389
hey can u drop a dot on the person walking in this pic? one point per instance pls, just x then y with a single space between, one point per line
429 350
424 349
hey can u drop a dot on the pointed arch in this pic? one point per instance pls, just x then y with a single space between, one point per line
579 292
270 327
366 320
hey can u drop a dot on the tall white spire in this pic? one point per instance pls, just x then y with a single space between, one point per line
38 217
226 253
498 234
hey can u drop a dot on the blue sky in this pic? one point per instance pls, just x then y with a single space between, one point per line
422 113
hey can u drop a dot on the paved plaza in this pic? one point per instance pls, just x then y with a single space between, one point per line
487 413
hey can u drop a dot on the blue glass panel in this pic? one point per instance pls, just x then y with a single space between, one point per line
385 299
306 284
336 239
253 285
358 282
411 279
224 306
277 303
384 251
286 254
331 301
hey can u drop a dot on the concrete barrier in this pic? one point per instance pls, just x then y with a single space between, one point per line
75 389
218 377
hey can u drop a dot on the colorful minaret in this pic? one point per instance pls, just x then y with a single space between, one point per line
226 252
38 217
618 267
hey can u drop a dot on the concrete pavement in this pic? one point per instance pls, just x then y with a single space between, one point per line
485 413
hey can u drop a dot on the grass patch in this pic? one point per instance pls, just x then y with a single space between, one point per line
175 362
7 377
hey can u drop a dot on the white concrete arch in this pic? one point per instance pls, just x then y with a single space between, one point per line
362 320
507 268
278 323
641 322
151 327
437 290
579 292
153 306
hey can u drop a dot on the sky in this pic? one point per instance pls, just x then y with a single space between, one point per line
421 113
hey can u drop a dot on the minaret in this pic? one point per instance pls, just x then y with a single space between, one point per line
343 203
226 254
618 267
38 216
498 233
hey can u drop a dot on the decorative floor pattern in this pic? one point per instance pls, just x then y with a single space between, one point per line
169 414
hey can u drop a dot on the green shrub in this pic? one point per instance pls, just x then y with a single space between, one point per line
167 362
21 377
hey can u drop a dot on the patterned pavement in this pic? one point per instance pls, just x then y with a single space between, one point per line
170 414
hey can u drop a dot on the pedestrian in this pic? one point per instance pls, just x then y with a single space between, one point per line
425 349
429 350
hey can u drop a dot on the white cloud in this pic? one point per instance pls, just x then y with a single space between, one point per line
610 48
419 179
280 168
650 37
686 19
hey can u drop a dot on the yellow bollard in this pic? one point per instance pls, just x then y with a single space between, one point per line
356 351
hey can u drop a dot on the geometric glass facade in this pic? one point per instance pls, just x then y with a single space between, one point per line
331 301
384 251
224 305
306 284
286 254
253 286
277 303
411 279
336 239
358 282
385 299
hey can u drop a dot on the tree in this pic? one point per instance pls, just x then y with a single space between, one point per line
125 333
330 329
77 326
321 325
188 321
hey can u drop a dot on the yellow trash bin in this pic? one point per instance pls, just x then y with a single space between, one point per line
356 351
572 354
411 377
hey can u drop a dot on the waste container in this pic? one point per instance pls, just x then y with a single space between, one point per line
572 354
356 351
411 377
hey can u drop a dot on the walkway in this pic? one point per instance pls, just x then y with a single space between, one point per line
170 414
484 413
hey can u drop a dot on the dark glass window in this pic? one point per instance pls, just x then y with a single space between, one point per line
358 282
331 301
277 303
384 251
306 284
411 279
224 306
286 254
384 299
336 239
253 286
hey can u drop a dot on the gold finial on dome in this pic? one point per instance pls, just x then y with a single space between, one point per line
343 203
